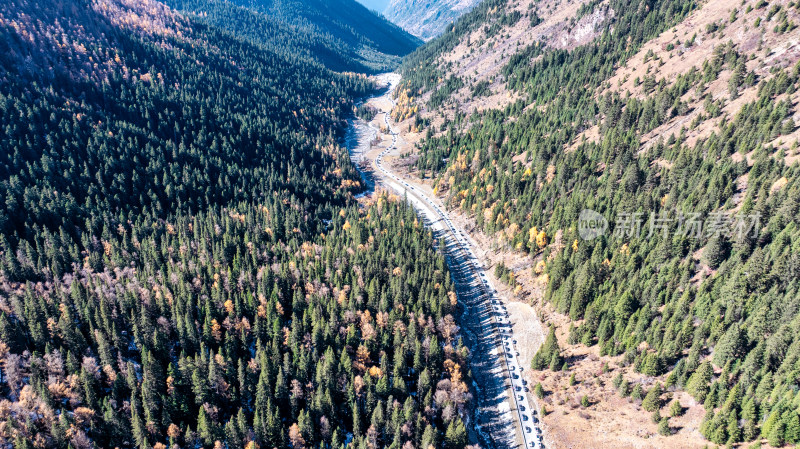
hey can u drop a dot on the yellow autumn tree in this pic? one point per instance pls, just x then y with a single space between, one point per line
296 438
532 234
541 239
362 359
453 298
216 330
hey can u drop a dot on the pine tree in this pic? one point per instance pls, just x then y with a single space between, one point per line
675 409
638 392
456 434
792 431
306 425
663 427
734 431
549 354
356 414
698 384
624 389
731 346
672 379
715 252
655 416
429 437
776 435
538 390
625 306
137 425
205 427
617 380
652 401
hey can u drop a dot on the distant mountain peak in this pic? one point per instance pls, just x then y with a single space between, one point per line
427 19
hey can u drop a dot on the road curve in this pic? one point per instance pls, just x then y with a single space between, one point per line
529 429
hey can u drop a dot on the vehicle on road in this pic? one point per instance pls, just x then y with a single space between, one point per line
495 309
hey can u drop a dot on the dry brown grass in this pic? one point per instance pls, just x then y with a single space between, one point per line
767 48
612 421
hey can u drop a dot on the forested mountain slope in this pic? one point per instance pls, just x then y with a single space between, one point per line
675 121
427 19
342 34
121 109
181 259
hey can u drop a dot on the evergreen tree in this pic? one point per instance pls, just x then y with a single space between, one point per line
549 354
652 401
776 435
731 346
663 427
698 384
675 409
638 392
538 390
456 434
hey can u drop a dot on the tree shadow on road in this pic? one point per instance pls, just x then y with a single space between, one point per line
494 427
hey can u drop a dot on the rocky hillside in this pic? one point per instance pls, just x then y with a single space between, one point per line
639 160
427 19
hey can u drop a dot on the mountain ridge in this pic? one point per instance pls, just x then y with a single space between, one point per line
183 260
427 19
526 114
342 34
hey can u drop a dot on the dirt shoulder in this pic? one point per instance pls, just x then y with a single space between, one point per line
494 421
610 421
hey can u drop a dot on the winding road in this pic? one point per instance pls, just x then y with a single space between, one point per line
504 416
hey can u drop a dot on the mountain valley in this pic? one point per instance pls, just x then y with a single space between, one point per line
497 224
